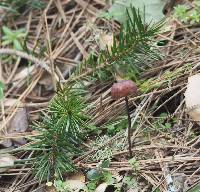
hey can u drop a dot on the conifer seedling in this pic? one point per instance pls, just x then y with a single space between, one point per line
121 89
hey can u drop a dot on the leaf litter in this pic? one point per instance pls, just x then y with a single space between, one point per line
160 153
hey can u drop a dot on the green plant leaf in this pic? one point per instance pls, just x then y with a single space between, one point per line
92 186
13 37
105 164
195 188
20 33
2 86
17 45
7 31
6 42
108 177
168 125
130 182
15 6
7 8
153 9
134 164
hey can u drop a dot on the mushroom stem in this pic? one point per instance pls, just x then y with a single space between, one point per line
129 128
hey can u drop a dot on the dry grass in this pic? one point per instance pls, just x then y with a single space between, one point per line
60 37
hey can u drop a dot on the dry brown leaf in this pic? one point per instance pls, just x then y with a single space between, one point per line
24 73
76 185
8 102
6 142
76 181
192 97
132 190
46 79
2 11
102 187
50 189
18 124
106 40
77 176
6 161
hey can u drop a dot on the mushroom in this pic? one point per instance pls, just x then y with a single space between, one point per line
121 89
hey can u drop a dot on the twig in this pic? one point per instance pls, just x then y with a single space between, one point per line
35 60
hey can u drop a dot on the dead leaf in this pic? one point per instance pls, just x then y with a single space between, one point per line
192 97
25 72
46 79
102 187
132 190
2 11
6 143
75 185
6 161
50 189
8 102
77 176
179 181
76 181
105 40
18 124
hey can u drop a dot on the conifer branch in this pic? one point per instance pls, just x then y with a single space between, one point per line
130 53
61 130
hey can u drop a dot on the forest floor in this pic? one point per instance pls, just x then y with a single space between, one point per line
59 35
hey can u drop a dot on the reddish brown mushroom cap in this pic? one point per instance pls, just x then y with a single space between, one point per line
123 88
